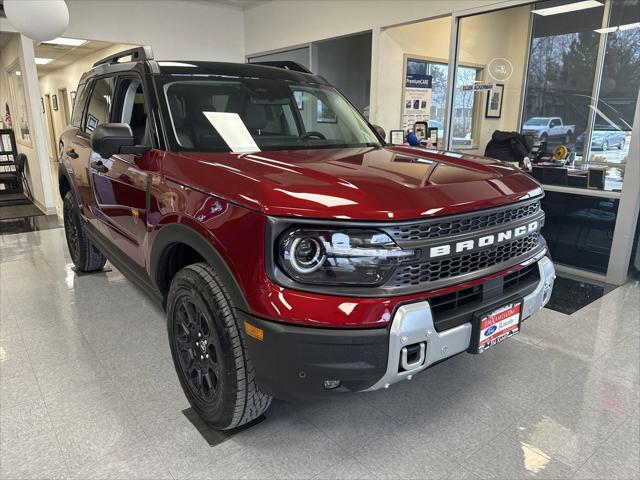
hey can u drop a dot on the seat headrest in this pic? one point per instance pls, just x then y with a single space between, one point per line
255 117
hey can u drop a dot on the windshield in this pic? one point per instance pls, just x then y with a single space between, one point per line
537 121
243 115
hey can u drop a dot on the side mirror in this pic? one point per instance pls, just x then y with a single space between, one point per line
109 139
380 131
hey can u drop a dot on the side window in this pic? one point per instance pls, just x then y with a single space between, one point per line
99 107
130 108
78 105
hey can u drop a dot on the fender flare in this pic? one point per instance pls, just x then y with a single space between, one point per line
180 233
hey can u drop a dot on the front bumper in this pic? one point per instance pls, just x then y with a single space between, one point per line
293 363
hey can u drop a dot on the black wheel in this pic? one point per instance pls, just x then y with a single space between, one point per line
208 350
605 146
86 257
567 139
621 145
543 138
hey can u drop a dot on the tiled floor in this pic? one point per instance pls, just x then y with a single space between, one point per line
88 390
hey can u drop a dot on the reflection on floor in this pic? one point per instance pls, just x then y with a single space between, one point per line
28 223
89 391
571 295
19 211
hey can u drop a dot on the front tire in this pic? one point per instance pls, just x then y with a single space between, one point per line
208 350
605 146
86 257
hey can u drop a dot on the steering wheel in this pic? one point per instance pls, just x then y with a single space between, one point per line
313 134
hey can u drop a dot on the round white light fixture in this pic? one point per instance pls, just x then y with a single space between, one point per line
38 19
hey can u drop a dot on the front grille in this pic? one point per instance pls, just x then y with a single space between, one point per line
453 309
417 274
461 224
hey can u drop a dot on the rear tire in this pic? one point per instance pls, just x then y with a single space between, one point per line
86 257
208 350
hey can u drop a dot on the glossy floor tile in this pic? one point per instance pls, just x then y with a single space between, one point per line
88 390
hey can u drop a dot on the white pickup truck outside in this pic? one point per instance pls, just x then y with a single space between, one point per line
549 129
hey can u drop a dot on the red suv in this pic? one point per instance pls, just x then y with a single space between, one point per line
296 254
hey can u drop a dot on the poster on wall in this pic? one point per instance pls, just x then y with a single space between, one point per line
494 102
416 94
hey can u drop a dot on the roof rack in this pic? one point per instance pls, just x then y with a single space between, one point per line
286 64
138 53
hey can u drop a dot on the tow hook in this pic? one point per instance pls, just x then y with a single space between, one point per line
413 356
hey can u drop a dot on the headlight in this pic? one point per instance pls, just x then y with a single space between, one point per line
339 257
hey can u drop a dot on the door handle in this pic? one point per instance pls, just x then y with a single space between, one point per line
99 167
72 153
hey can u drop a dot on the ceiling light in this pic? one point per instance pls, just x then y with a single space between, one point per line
18 73
72 42
628 26
606 30
43 61
571 7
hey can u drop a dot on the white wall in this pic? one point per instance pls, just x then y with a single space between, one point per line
313 20
176 30
283 23
68 78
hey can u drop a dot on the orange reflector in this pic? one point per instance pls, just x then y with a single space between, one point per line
254 331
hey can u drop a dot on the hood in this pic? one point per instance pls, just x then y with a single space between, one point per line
383 184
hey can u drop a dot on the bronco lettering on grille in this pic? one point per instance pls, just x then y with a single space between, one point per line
484 241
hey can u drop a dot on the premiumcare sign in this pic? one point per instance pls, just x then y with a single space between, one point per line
484 241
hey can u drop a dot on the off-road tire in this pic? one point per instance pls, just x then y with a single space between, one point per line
86 257
236 400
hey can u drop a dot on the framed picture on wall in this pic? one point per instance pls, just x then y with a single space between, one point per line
494 101
54 101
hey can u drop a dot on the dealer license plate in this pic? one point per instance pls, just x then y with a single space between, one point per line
498 325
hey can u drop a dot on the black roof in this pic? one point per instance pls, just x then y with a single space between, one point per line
228 69
142 60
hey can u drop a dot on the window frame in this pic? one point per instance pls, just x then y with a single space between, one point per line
116 98
85 112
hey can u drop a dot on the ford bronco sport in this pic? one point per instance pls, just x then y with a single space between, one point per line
296 254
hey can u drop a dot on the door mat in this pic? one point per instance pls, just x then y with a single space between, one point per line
571 295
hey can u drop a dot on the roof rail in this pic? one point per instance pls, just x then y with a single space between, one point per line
286 64
138 53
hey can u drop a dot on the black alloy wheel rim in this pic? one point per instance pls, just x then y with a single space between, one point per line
196 344
72 231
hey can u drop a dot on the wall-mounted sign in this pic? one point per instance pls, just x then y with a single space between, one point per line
501 69
477 87
416 100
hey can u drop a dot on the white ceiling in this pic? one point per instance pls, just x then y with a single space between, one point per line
64 55
241 4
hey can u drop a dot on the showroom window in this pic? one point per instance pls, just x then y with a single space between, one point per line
489 76
617 93
19 103
464 134
568 81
